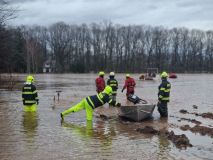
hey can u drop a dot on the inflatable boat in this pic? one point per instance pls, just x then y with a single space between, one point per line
172 75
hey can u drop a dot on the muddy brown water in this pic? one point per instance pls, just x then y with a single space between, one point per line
41 135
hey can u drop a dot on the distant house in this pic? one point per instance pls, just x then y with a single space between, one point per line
47 68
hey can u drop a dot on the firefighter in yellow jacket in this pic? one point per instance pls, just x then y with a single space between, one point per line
91 102
30 95
112 82
163 95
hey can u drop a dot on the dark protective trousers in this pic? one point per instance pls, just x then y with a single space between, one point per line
162 109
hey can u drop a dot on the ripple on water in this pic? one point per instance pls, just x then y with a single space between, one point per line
43 136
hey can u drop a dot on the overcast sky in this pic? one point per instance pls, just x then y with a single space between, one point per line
169 13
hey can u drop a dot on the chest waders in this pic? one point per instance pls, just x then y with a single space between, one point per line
163 98
80 106
29 97
30 108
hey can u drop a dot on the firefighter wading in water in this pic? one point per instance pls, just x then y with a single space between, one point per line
114 84
130 85
91 102
163 95
30 95
100 82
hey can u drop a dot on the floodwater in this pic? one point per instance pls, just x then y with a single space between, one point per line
42 136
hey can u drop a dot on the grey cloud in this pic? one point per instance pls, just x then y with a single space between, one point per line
169 13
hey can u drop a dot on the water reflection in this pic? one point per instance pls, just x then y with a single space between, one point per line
30 124
100 131
80 130
163 145
43 138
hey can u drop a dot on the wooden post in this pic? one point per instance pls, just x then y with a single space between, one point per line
58 94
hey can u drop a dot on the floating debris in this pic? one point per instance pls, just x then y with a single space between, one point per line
183 111
180 141
204 115
196 114
104 117
195 107
207 115
187 119
198 129
147 130
191 120
185 127
202 130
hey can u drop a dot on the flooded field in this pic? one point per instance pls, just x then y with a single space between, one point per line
42 136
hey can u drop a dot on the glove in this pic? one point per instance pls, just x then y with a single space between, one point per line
122 90
118 104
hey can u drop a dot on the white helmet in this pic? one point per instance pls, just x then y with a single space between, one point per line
112 74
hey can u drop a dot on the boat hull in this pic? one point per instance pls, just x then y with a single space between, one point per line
137 112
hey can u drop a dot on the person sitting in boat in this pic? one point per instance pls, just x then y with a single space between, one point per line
91 102
30 95
114 84
163 95
129 84
100 82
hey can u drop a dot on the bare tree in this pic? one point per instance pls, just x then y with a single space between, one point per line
105 46
6 12
59 38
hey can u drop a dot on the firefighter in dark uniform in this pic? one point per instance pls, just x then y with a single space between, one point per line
114 84
91 102
30 95
163 95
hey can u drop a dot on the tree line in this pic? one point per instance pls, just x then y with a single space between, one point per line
105 46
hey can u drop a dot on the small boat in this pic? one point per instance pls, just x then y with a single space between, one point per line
151 74
172 75
137 112
149 78
146 77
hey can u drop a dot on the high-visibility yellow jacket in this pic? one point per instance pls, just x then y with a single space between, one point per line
99 100
112 82
164 91
29 94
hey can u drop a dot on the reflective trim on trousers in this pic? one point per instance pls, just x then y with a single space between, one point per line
90 102
28 101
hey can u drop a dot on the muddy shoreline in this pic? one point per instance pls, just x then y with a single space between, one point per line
180 141
204 115
203 130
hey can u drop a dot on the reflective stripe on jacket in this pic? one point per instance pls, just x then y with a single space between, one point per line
114 84
164 91
29 94
99 100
